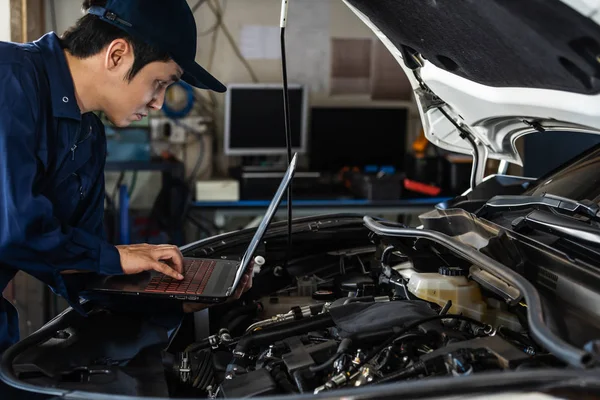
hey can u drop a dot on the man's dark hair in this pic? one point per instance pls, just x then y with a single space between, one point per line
90 35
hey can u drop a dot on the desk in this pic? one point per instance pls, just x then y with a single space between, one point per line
169 167
219 210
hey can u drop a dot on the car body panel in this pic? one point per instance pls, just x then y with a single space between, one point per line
495 115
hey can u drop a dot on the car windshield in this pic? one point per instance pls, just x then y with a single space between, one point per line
578 179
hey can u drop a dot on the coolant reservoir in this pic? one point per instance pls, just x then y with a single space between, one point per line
451 283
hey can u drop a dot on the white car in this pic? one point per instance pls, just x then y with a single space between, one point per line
496 295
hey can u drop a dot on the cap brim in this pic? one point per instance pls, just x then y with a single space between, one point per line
198 77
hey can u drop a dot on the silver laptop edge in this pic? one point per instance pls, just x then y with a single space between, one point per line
262 227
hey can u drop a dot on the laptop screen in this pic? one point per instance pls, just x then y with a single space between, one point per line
262 227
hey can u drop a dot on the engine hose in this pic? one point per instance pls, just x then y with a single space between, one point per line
515 336
196 347
325 365
205 373
540 331
363 337
400 333
205 344
273 334
413 370
378 336
236 312
344 345
237 323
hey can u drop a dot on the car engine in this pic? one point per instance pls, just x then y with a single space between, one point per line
356 303
369 318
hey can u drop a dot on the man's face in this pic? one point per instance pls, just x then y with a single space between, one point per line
126 101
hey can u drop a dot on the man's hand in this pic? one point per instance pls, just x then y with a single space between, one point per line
144 257
243 287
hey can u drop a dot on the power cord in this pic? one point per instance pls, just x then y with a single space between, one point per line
217 11
215 37
216 24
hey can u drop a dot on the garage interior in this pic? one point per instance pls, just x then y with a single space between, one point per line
209 163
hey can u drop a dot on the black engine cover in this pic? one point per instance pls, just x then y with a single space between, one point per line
253 384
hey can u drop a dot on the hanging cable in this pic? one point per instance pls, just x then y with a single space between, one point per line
134 177
216 9
117 186
218 22
212 53
197 6
201 152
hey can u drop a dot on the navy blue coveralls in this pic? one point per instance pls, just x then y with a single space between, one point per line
51 177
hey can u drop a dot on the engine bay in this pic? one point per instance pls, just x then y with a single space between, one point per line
352 307
367 340
368 318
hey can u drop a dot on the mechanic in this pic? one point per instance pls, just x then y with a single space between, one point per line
118 59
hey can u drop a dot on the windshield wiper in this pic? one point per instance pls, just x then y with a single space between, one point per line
562 204
559 225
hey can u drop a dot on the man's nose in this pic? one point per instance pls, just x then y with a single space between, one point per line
158 101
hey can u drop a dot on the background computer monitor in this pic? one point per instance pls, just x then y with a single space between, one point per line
357 136
254 119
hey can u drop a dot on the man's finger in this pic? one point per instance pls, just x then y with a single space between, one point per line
238 293
248 285
165 269
172 264
171 254
247 280
241 287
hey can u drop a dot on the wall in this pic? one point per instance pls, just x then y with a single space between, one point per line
342 23
4 20
66 12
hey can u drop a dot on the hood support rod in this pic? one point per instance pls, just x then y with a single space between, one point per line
469 138
478 166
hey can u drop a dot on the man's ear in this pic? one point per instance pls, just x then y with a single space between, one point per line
117 54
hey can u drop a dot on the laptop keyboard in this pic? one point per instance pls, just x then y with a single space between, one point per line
194 281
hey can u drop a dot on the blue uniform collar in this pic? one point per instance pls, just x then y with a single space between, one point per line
62 90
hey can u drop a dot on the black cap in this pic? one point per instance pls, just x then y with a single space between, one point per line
452 271
167 24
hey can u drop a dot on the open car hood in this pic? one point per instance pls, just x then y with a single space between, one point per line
501 69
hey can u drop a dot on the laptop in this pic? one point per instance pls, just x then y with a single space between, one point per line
205 280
